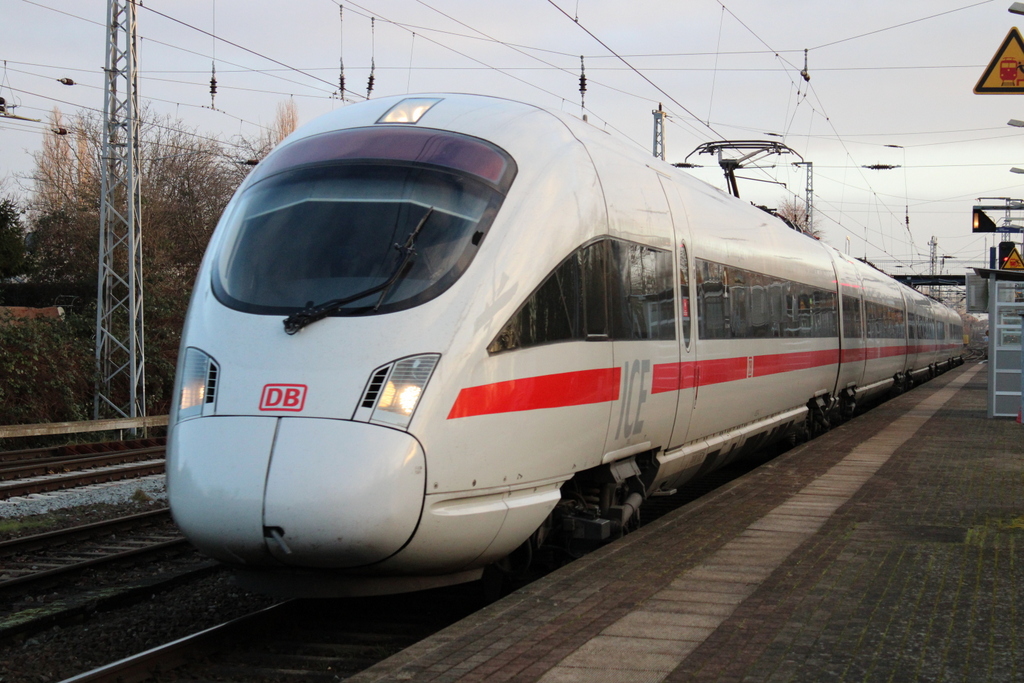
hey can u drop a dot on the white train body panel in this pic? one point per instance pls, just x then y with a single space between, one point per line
693 323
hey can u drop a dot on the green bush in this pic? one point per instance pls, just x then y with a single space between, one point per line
47 368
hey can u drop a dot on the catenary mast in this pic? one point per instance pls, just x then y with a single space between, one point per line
120 356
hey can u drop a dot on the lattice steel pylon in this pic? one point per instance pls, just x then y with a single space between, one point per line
659 132
120 356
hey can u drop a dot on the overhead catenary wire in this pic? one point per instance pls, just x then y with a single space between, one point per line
235 45
149 98
820 107
341 53
408 78
149 123
714 77
155 41
520 50
369 81
901 25
213 62
599 62
637 72
447 47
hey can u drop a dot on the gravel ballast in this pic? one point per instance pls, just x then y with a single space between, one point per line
111 493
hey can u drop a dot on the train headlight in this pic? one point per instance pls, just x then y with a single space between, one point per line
198 383
401 392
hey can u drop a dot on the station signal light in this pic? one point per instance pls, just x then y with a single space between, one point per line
982 223
1005 251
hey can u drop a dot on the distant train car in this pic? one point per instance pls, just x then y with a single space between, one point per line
430 331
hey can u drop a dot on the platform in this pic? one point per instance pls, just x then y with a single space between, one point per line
889 549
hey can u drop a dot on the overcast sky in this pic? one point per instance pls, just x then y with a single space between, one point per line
890 83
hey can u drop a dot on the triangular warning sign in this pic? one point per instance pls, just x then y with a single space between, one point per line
1013 261
1005 73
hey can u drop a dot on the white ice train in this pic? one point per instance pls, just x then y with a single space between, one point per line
431 330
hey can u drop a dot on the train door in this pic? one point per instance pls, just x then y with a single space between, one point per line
852 351
641 317
683 381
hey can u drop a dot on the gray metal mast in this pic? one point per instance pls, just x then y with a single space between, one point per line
808 192
810 195
659 132
120 358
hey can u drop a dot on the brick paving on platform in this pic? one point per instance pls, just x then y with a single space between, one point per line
889 549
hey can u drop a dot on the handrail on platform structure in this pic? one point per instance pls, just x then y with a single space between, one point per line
52 428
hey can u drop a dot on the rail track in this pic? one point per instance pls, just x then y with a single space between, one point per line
50 469
70 450
298 640
31 560
328 640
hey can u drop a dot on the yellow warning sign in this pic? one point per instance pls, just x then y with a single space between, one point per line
1013 261
1005 73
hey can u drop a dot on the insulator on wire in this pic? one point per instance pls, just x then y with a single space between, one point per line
213 87
583 83
65 81
805 73
373 66
341 53
60 130
213 62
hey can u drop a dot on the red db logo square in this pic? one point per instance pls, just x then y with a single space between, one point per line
283 397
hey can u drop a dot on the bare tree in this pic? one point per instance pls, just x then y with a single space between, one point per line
187 179
64 210
253 149
793 210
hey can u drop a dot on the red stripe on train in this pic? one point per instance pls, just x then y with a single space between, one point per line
534 393
788 362
677 376
602 385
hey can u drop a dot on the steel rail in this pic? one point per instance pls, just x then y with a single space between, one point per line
50 538
140 667
60 537
85 564
58 482
72 449
20 469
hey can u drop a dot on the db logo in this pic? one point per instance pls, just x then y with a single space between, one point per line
283 397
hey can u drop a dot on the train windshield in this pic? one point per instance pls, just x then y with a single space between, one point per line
327 231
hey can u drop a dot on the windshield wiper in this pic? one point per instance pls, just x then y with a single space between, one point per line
310 314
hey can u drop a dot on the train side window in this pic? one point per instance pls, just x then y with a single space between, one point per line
886 322
606 290
552 313
684 293
733 303
853 327
641 304
712 309
594 269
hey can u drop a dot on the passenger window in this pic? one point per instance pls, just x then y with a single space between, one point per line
852 324
552 314
609 289
734 303
641 304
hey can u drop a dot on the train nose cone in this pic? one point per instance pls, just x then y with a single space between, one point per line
216 471
300 491
341 494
